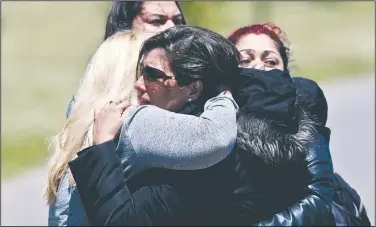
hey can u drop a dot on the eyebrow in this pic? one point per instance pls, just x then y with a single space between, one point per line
162 15
264 53
247 51
155 70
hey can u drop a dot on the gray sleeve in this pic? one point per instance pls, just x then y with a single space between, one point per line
159 138
67 209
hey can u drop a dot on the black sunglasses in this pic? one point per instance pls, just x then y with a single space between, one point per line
151 74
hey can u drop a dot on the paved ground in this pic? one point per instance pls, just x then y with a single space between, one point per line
351 118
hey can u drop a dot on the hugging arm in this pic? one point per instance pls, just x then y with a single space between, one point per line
158 138
178 141
107 200
315 208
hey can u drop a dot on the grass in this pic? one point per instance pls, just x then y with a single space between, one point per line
20 152
329 70
45 49
47 45
328 40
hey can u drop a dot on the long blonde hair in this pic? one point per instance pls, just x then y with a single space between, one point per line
110 76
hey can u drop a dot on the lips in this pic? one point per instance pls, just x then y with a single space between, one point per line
144 99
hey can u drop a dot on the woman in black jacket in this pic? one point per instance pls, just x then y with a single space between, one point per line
250 41
233 191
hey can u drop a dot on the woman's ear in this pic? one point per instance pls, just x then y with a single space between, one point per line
195 90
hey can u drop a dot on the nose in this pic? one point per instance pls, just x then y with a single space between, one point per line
168 24
140 86
258 65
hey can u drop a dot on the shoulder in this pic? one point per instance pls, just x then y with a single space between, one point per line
319 149
259 138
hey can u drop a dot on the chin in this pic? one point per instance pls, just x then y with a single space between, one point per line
144 103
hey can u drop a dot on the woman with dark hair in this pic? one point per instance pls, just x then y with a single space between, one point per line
148 16
110 77
125 184
264 46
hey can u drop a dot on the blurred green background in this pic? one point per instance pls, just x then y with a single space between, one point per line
46 46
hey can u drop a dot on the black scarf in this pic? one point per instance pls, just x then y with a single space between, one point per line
270 95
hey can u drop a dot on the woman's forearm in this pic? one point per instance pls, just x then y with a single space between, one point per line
178 141
107 200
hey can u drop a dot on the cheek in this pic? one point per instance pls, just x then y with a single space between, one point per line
136 23
280 67
141 25
151 88
156 92
152 28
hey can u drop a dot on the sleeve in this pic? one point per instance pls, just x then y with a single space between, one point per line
163 139
315 209
58 210
101 185
67 209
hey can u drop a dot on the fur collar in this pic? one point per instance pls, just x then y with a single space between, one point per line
259 137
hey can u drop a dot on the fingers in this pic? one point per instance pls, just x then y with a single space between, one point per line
123 106
112 108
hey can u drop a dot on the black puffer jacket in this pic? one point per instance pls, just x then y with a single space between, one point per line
347 207
276 189
282 176
249 187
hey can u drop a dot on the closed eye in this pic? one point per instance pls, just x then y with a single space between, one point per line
245 61
158 22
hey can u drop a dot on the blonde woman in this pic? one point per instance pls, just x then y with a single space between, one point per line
110 78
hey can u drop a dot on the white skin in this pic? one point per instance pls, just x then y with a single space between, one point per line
107 122
163 93
259 51
156 16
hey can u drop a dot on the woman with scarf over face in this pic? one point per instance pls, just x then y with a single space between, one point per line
264 46
276 161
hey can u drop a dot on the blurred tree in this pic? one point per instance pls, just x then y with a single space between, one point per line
262 11
328 5
202 13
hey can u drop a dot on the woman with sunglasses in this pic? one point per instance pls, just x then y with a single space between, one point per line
129 183
109 79
148 16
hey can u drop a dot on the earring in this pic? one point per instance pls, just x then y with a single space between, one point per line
189 100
